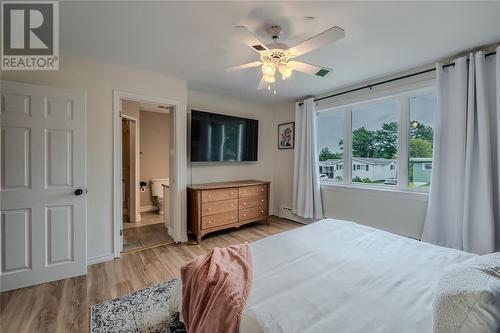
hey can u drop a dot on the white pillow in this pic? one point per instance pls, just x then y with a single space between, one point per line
467 298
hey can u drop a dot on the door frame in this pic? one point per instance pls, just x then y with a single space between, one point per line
134 172
176 229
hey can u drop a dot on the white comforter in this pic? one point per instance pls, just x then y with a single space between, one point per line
338 276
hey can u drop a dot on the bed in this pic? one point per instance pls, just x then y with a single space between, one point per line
339 276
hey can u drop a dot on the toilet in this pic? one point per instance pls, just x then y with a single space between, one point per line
157 192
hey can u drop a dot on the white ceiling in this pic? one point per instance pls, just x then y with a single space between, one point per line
196 40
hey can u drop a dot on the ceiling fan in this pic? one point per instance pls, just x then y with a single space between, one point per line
277 56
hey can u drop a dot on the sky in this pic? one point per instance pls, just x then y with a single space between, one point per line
331 123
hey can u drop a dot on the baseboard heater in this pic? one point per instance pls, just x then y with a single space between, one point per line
286 213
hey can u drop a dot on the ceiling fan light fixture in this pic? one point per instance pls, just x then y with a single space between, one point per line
285 70
278 56
268 69
269 78
282 67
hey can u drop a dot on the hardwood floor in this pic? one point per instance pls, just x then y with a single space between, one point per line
63 306
147 236
147 218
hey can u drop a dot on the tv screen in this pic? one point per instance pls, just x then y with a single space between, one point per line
221 138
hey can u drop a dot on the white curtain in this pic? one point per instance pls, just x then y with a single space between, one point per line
464 204
306 188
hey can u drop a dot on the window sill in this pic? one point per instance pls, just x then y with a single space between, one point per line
375 190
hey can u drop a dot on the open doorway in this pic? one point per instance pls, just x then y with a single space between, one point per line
146 162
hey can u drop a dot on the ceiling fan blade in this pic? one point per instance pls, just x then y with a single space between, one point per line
250 39
326 37
245 66
262 84
309 69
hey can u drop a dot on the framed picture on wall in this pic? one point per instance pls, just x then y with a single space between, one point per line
286 135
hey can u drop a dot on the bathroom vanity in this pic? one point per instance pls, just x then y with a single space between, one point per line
217 206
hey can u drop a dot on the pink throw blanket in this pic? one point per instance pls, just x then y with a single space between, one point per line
215 289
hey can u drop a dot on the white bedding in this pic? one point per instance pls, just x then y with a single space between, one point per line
338 276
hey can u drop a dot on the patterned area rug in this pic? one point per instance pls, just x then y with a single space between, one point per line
143 311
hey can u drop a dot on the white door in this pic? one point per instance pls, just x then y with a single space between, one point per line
43 185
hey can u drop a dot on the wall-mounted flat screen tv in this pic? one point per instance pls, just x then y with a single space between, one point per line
221 138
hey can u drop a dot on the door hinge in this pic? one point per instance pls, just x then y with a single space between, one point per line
121 232
121 114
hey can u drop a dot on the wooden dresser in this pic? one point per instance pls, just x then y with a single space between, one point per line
218 206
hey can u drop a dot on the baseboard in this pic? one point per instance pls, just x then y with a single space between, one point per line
149 208
99 259
286 213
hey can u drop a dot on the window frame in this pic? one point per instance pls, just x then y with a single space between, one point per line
403 96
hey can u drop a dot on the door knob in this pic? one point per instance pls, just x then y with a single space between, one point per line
78 191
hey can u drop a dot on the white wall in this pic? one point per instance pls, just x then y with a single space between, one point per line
263 168
283 160
155 130
99 80
400 213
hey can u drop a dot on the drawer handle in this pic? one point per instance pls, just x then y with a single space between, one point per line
244 203
232 193
261 200
209 208
209 195
209 221
244 214
232 217
262 189
262 211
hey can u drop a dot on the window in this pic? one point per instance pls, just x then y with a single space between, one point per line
421 143
389 141
375 140
331 144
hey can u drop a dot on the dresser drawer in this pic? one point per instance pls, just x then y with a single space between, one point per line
216 220
216 207
252 213
253 201
219 195
253 191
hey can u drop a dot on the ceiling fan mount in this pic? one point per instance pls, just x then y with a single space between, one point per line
277 57
274 31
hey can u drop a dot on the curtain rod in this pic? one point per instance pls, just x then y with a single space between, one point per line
370 86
